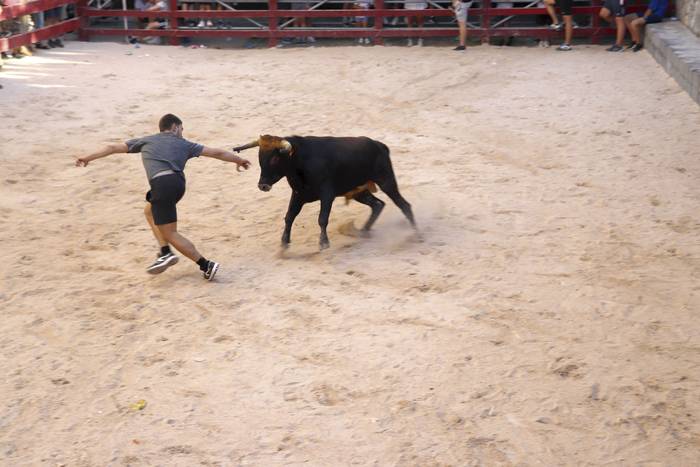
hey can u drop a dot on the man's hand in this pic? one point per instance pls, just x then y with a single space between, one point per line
226 156
242 163
108 150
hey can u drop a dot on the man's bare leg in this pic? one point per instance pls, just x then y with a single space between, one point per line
620 35
549 5
635 27
568 29
186 247
181 244
156 232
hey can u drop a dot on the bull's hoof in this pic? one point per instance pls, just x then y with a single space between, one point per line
364 233
284 245
323 245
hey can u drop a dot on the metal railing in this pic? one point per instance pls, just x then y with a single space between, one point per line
487 19
15 10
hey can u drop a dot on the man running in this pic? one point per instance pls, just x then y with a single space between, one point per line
164 157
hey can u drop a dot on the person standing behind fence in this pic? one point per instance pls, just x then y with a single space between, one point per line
55 16
461 9
616 9
363 20
565 7
636 21
417 20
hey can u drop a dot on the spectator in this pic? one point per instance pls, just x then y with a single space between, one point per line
141 5
38 19
636 21
51 17
417 20
394 5
205 23
153 23
461 9
302 22
363 20
565 7
615 9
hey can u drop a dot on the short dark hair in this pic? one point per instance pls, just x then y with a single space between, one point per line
167 121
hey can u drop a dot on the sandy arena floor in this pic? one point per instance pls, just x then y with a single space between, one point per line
549 316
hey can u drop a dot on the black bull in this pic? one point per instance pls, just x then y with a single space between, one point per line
323 168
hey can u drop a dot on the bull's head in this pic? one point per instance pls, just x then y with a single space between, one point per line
274 155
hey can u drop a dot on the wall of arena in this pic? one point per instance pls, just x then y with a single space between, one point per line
689 13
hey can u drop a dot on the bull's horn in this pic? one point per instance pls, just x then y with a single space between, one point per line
252 144
286 146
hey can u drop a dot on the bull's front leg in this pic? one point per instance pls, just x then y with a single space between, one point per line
327 198
295 205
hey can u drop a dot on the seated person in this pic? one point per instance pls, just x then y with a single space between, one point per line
636 21
615 9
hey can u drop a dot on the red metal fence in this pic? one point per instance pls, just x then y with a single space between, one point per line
273 23
15 10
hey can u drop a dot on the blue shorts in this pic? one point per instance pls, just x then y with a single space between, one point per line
651 19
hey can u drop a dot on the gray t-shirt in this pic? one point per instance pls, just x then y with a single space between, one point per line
164 151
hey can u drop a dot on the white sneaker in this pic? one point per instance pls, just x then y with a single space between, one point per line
420 42
162 263
409 42
210 24
201 24
211 270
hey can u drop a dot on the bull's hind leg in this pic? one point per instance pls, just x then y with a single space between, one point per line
326 204
392 191
373 202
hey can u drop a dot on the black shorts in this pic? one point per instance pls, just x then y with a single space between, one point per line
616 7
565 6
164 194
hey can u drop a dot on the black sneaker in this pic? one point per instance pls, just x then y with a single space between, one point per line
615 48
460 47
637 47
211 270
162 263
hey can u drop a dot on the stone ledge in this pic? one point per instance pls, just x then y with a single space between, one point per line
676 49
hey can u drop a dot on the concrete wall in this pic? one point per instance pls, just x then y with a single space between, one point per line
688 11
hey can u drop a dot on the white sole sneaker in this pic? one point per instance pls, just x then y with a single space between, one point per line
162 263
211 271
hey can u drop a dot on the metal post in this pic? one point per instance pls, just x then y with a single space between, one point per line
485 21
173 21
379 23
84 20
126 22
272 23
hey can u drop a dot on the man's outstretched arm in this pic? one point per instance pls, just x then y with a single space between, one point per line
227 156
108 150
